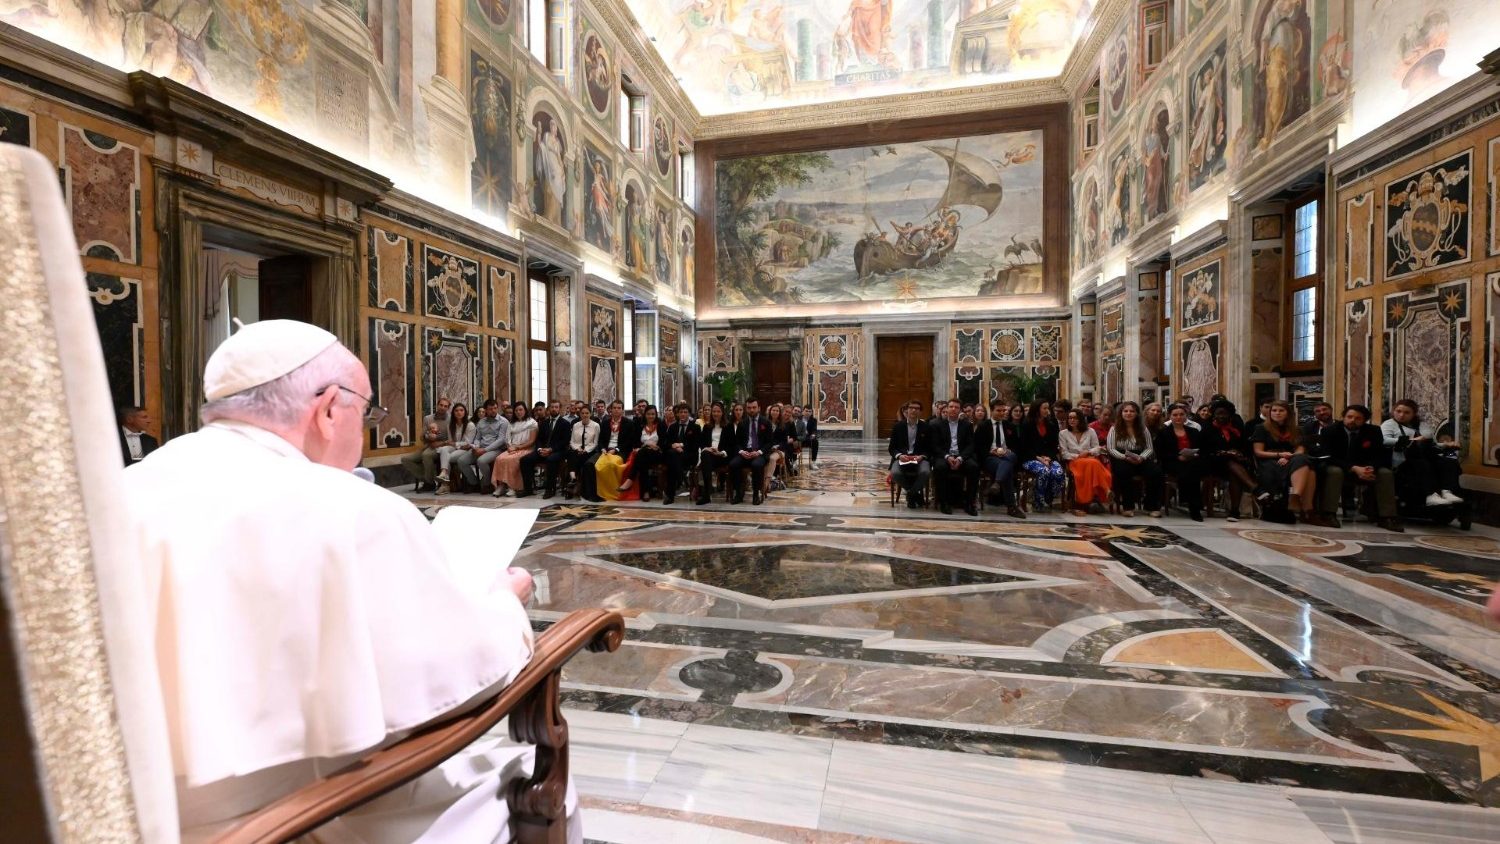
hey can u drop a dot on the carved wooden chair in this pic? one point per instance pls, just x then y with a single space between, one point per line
82 721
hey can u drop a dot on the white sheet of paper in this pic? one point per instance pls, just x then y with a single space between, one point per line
481 542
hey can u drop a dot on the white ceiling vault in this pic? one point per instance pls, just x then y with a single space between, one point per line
733 57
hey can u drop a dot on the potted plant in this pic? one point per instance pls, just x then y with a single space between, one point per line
729 384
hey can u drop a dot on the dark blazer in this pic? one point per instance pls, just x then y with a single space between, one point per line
899 444
1166 446
148 445
741 431
686 433
812 425
1365 447
554 434
1312 437
726 438
630 436
1213 442
1035 444
984 439
942 440
785 436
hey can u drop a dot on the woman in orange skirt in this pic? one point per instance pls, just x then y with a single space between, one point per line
1083 455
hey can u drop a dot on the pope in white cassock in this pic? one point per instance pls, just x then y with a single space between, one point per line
303 615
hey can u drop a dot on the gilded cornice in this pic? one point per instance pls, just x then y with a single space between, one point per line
620 22
1107 17
902 106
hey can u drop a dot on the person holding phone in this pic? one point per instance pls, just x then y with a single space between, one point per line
1178 446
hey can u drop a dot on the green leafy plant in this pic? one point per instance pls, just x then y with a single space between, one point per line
729 384
1031 387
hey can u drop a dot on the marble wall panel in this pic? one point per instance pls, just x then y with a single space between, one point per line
1148 313
969 344
670 350
718 352
118 315
500 296
17 127
1088 359
393 379
1112 326
1425 359
450 285
1304 394
1112 386
1427 217
1494 208
391 269
451 367
1491 371
833 372
502 377
1046 343
1202 290
834 392
1200 367
1007 344
1359 338
562 339
102 181
1265 308
1359 240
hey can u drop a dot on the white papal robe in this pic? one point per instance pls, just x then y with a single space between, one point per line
302 616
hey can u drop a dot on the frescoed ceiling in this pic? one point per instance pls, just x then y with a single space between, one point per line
744 55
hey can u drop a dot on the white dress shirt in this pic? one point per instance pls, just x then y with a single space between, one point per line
133 440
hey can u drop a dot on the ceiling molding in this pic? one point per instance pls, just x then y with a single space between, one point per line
620 22
1081 62
902 106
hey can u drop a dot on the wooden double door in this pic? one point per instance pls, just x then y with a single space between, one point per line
773 377
903 367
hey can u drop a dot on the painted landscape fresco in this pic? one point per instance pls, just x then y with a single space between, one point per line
958 217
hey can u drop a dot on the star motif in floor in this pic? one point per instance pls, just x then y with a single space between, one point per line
1454 726
578 511
1134 534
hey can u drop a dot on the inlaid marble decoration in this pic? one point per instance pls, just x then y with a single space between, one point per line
16 127
1088 330
1359 338
1200 366
452 365
604 332
1112 386
1046 343
562 338
1426 333
391 271
1359 240
969 380
491 115
833 349
671 341
1427 217
1200 297
451 285
1148 315
1491 366
604 378
118 314
102 181
1208 119
393 377
833 396
500 298
502 380
1265 308
1007 344
718 352
1304 395
1494 187
970 344
1112 322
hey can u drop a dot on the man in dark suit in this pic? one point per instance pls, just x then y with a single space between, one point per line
953 464
752 439
552 435
680 447
910 447
999 459
807 432
135 443
1357 457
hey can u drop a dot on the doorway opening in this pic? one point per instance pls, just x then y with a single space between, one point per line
248 279
903 371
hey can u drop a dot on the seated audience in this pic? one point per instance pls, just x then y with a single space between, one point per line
553 434
519 443
618 439
1204 415
809 439
1087 407
1358 459
1155 418
954 470
1039 455
1133 456
1187 402
1226 454
778 450
1281 462
715 444
910 447
1179 450
135 443
1104 421
1060 410
422 464
648 454
583 450
460 436
752 438
1259 420
1083 456
475 462
997 449
1425 463
680 447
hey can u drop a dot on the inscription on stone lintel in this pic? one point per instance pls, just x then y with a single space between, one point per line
266 188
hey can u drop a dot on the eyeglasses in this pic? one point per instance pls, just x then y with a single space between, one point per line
374 413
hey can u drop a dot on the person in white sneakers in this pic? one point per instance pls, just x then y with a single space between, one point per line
1427 470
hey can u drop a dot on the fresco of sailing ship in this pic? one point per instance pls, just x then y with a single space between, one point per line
952 218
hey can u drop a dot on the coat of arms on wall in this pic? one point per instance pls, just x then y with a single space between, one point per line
1200 297
1427 217
452 285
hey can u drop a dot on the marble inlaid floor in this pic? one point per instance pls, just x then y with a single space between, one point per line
823 667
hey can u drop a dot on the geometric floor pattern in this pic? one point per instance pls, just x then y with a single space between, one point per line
847 658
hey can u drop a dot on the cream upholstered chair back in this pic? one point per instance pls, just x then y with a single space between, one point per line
71 585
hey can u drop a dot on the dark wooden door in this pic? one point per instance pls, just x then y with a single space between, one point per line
286 288
904 373
773 377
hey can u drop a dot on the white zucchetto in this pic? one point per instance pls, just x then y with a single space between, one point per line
261 352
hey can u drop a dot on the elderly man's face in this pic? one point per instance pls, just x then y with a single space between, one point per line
337 438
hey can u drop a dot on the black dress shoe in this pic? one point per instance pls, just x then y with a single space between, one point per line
668 500
700 502
739 498
526 493
971 510
911 502
945 509
757 499
1015 512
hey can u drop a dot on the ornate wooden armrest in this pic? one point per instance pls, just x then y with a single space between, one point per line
535 717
